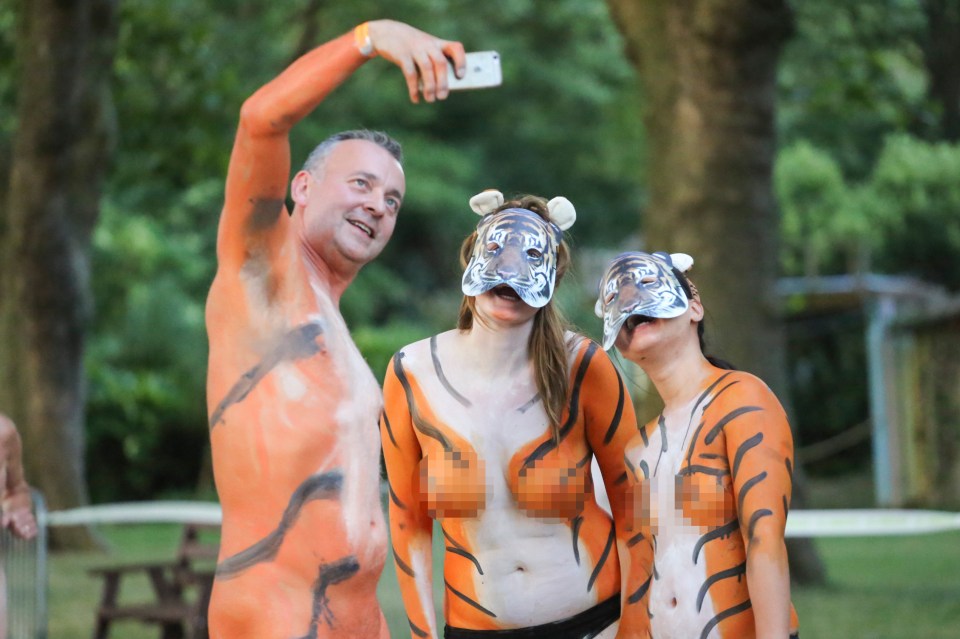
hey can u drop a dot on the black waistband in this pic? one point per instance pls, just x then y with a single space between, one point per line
585 625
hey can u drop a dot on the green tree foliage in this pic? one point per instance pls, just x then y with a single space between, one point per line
564 122
853 73
917 184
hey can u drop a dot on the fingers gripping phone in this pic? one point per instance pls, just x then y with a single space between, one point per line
482 71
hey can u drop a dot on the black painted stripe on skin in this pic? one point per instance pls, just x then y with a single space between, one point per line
530 404
729 612
393 497
586 459
617 415
323 486
736 571
330 574
710 455
750 483
703 395
467 599
459 549
789 469
696 435
636 539
726 419
443 378
640 592
603 558
622 478
786 507
300 343
645 468
742 450
644 436
754 518
422 425
662 427
728 528
706 470
401 564
719 392
415 630
575 528
386 423
572 413
466 555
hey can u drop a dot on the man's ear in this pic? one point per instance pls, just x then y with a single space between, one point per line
696 310
300 188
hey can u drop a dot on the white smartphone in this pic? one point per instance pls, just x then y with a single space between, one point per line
482 71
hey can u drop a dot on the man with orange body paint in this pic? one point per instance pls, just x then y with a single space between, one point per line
293 405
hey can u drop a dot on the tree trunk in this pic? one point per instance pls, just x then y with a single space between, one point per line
942 56
709 76
65 52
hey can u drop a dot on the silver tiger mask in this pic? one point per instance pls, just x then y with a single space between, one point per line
518 248
638 283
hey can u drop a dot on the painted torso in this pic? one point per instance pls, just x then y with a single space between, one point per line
703 475
526 542
293 413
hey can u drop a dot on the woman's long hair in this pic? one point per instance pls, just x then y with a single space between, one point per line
547 347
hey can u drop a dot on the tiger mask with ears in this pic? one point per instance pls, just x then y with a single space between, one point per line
643 284
517 248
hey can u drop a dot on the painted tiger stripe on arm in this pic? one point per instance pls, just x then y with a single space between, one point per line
717 428
754 518
617 415
742 450
603 557
401 564
747 487
416 629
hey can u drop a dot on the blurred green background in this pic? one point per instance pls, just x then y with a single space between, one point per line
867 179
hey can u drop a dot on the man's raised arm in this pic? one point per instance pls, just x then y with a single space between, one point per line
254 216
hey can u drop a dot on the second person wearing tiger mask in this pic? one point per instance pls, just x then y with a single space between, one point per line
491 429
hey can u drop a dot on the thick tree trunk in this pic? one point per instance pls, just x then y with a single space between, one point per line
709 76
65 50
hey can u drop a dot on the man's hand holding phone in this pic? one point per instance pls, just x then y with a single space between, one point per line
432 66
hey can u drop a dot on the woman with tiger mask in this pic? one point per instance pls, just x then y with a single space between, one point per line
491 429
710 478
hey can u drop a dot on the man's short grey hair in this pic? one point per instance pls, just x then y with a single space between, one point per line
319 154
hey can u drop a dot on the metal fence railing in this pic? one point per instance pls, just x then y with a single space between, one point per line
24 570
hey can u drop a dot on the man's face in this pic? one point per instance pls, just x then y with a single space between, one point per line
350 203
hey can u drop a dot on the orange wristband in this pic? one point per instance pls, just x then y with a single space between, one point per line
361 35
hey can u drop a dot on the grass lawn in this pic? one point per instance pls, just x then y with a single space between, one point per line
880 587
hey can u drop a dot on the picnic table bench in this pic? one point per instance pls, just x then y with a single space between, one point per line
180 588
